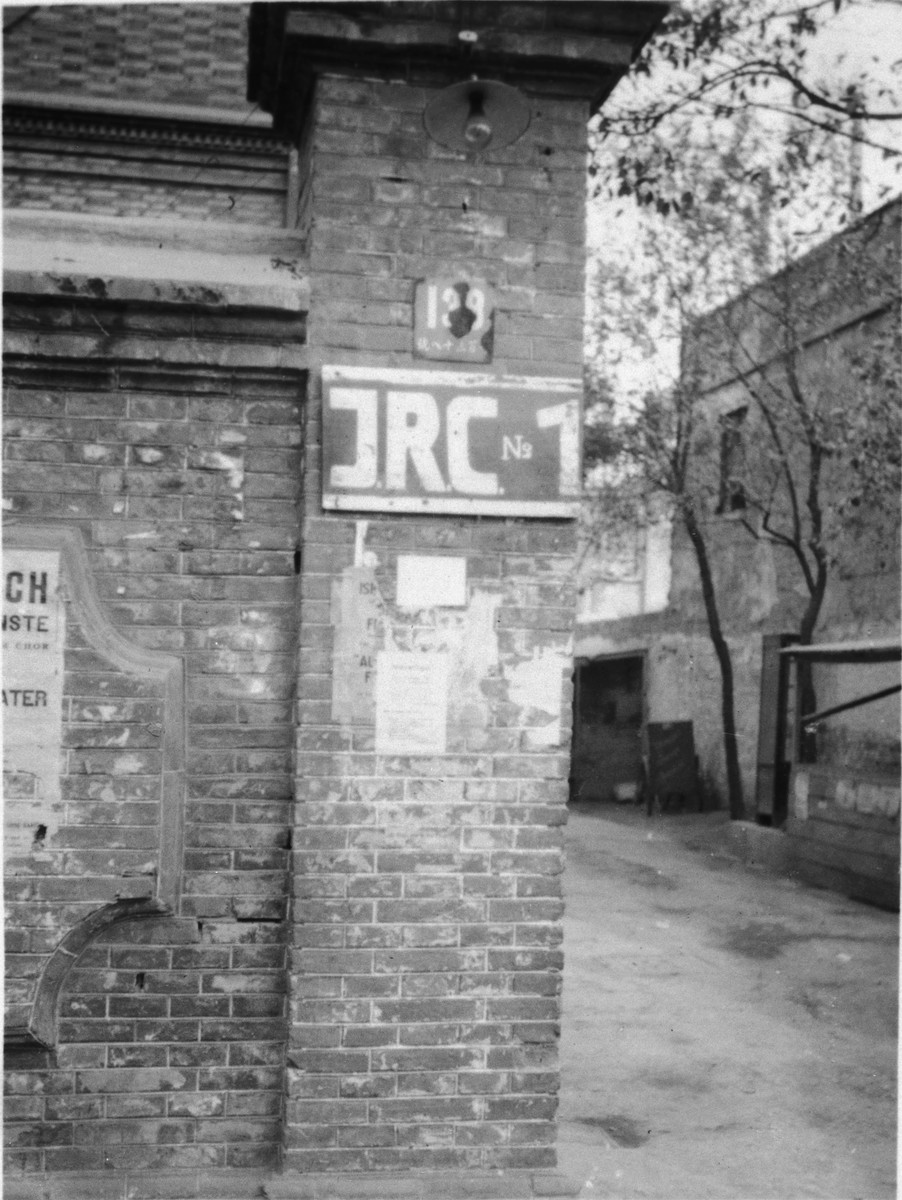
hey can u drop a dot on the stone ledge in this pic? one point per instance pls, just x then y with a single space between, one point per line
423 1185
197 280
253 1185
191 352
76 230
52 254
74 102
202 291
232 1184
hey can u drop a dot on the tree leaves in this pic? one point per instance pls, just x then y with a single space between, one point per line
720 59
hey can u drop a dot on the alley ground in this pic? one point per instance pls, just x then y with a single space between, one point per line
726 1033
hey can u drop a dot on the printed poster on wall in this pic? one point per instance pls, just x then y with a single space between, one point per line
33 641
411 702
358 620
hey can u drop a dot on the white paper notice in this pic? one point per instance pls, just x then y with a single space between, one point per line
437 582
411 702
33 640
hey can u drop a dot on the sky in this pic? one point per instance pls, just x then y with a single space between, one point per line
868 37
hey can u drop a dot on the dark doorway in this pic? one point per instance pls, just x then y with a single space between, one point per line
608 715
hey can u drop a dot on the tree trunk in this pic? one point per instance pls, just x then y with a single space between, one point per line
722 650
807 693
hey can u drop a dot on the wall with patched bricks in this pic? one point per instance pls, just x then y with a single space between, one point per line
178 480
426 960
138 110
151 447
145 170
179 54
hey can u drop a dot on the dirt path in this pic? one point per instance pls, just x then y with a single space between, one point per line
726 1033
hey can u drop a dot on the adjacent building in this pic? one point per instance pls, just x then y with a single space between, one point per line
819 751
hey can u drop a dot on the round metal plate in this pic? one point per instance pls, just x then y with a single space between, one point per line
506 109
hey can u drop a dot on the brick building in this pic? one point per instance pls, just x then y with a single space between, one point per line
834 314
287 645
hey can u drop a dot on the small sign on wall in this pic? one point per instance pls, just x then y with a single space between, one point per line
453 320
431 582
397 440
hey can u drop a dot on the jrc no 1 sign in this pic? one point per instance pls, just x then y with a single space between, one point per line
447 442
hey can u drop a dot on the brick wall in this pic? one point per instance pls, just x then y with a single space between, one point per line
142 168
426 962
169 439
137 110
178 54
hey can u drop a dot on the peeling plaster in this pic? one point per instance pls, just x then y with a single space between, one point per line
477 654
228 661
231 464
241 638
124 764
535 685
469 637
362 556
800 796
764 597
527 674
148 455
683 683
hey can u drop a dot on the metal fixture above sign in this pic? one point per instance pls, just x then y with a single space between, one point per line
477 114
453 319
421 441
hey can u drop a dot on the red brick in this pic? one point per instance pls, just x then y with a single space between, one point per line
394 917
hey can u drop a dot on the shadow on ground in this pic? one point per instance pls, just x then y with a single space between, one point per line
727 1032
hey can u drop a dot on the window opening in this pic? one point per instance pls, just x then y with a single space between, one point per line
732 495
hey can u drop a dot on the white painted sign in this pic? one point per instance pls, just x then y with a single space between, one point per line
449 442
411 702
33 641
439 581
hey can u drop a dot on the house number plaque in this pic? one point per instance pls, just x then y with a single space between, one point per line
453 320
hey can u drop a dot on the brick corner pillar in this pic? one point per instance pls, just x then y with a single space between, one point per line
445 340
